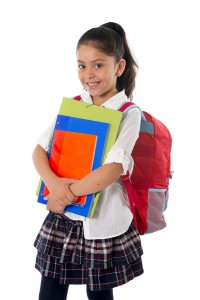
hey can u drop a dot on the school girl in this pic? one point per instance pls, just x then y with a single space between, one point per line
105 251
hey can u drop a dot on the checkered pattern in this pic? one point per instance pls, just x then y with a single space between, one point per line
64 253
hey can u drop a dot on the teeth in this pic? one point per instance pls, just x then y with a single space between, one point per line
92 84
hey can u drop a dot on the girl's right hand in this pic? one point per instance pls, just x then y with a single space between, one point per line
59 195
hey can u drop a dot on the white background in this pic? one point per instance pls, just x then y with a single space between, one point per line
38 67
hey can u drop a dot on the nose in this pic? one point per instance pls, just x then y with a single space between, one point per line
90 73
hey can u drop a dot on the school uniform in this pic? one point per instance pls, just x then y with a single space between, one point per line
104 251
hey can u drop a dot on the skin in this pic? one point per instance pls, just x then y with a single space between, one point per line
98 73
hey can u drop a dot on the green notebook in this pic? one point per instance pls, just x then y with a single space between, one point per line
73 108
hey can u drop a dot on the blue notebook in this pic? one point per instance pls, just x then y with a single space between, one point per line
84 142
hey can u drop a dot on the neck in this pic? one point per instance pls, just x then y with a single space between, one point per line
100 100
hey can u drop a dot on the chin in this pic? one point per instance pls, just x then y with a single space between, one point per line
93 94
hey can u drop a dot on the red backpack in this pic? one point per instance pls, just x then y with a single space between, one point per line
148 185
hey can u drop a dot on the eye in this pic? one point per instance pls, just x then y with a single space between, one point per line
81 66
97 66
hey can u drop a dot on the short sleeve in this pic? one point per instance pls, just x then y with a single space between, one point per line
127 137
44 139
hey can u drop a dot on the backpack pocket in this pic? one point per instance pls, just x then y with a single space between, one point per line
156 205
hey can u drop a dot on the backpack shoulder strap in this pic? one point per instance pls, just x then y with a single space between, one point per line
77 98
126 106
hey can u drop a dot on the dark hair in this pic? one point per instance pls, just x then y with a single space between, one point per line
110 38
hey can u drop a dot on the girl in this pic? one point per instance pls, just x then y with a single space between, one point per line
105 251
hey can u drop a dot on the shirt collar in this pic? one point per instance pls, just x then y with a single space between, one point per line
114 102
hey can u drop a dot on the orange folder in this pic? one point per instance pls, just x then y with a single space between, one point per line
72 156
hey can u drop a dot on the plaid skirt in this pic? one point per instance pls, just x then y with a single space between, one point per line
65 254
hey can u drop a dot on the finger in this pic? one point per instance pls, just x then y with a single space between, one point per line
62 202
59 210
70 200
73 180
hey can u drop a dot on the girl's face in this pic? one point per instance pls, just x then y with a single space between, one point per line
98 72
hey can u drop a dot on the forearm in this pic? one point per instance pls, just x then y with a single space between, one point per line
94 182
97 180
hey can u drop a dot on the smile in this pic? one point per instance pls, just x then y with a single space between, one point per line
92 84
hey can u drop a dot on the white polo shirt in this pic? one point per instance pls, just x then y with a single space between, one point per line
112 215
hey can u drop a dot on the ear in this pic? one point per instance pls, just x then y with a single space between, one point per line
120 67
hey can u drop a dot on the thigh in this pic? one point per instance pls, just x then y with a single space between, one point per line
50 289
100 295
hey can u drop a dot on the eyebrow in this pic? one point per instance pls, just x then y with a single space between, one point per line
93 61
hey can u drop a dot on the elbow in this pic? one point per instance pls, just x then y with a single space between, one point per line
119 170
37 150
34 154
116 170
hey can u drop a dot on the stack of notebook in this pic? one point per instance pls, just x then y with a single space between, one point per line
82 137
